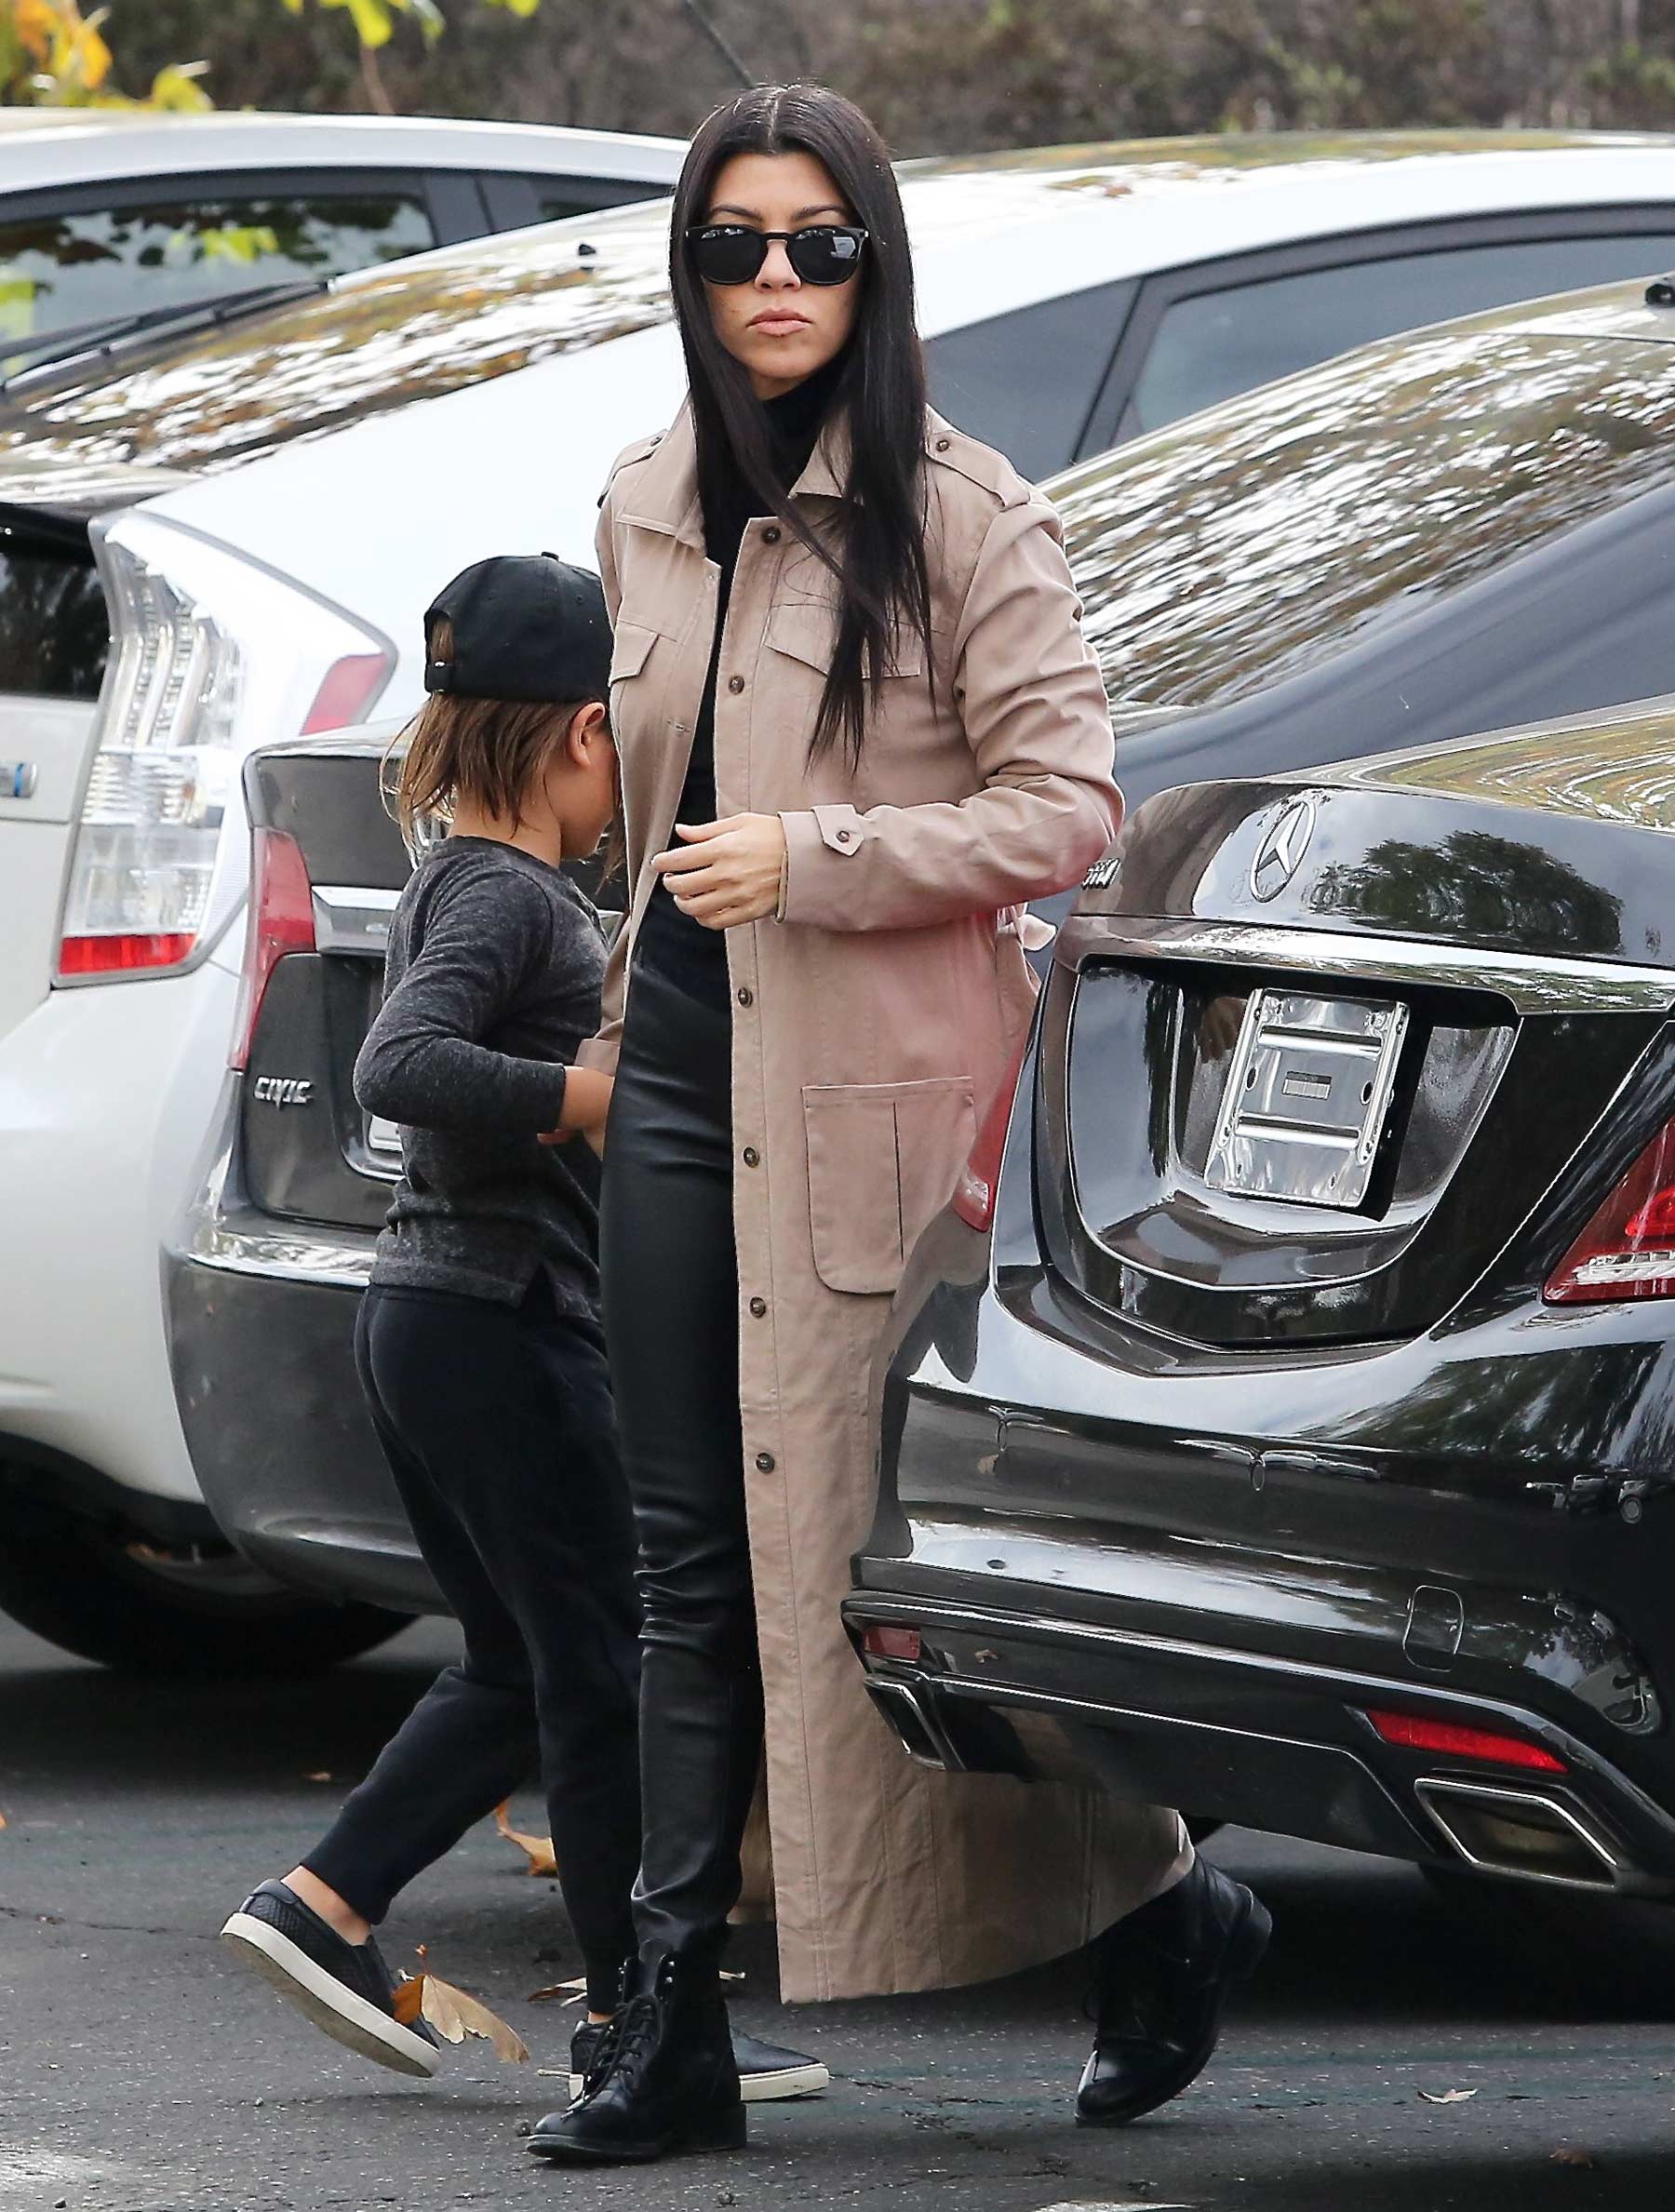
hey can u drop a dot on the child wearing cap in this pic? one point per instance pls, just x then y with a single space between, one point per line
478 1341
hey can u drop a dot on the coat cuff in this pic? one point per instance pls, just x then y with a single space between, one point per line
818 844
599 1052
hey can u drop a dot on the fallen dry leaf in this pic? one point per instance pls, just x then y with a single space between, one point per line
453 2013
569 1992
321 1776
1447 2096
537 1849
1567 2154
2 1819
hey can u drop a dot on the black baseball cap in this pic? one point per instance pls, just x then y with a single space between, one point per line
526 627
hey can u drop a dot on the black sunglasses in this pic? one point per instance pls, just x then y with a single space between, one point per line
733 253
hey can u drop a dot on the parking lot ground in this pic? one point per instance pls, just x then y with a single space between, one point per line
143 2070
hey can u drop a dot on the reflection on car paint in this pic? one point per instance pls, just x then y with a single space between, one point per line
1410 468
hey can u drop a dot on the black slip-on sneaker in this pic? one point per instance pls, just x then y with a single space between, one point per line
766 2073
343 1987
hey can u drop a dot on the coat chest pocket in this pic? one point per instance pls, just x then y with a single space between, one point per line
883 1159
630 645
806 630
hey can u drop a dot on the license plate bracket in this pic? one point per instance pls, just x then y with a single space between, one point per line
1306 1098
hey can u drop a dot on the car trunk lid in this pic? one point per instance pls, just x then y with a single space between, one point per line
309 1152
1312 1051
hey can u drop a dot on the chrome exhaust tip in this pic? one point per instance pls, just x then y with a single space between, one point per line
915 1721
1522 1833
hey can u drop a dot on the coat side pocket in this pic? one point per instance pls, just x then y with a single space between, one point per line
883 1159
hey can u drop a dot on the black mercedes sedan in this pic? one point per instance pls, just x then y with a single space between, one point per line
1281 1423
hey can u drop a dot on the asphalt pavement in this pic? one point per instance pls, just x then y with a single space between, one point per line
143 2070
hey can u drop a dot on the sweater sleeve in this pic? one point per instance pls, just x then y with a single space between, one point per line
422 1063
1033 705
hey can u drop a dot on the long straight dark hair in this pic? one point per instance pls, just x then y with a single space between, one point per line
879 558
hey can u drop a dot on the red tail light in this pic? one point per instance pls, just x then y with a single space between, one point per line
346 690
123 953
880 1641
1454 1742
974 1193
281 921
1627 1250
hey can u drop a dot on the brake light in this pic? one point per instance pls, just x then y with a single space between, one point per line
281 921
974 1193
1454 1742
346 691
123 953
1627 1250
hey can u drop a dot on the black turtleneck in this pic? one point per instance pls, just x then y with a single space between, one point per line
682 950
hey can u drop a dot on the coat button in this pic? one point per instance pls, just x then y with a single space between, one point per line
746 996
765 1462
846 836
753 1158
758 1307
942 445
771 535
735 683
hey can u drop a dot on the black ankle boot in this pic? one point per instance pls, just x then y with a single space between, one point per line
1161 1978
665 2080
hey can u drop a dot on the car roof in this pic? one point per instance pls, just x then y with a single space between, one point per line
990 234
46 146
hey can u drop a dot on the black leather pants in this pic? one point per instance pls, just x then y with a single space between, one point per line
671 1319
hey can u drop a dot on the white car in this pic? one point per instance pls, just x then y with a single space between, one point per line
216 546
108 212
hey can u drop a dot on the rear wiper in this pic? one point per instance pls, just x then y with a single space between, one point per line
56 351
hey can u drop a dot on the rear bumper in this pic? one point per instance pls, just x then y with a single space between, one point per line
1259 1739
1122 1569
261 1341
107 1096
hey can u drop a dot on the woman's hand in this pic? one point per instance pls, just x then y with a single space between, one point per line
586 1103
725 872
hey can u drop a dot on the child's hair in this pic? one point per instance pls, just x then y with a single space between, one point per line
485 750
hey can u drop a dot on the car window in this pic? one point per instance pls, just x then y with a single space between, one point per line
1234 552
1025 381
54 630
1218 344
59 270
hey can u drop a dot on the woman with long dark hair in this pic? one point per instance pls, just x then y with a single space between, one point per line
858 727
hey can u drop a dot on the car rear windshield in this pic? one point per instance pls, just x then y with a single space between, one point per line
54 634
1232 552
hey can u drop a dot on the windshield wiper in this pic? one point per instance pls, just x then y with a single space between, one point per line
54 352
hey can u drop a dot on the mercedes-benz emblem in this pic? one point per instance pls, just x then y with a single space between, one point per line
1280 855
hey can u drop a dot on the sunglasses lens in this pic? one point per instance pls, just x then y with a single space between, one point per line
727 254
825 256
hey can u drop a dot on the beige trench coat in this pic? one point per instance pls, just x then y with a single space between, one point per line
870 1029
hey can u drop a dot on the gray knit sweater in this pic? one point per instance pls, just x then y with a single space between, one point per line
491 980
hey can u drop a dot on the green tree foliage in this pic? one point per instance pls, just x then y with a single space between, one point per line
53 56
944 74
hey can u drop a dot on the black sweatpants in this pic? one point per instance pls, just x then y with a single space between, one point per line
498 1424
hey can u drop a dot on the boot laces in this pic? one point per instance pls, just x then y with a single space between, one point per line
627 2044
604 2052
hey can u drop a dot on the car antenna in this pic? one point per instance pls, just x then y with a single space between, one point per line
702 18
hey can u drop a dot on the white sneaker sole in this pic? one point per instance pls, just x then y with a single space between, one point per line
766 2088
320 1997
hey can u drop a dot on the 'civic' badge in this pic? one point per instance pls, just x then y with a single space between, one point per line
1280 855
284 1091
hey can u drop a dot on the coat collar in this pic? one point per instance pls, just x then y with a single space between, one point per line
665 491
